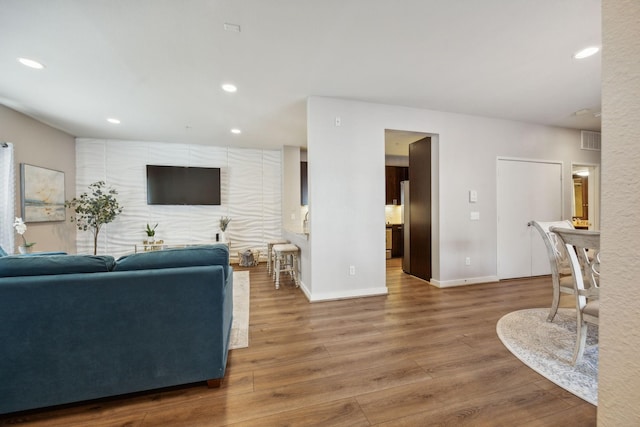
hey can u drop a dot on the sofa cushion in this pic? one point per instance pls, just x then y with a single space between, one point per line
178 257
2 252
12 266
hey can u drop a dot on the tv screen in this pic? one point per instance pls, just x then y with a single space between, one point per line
180 185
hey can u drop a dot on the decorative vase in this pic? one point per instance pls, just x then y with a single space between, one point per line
223 236
25 249
151 240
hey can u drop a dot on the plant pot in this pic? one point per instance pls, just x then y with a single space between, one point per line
25 249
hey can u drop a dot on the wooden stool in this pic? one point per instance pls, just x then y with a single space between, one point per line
286 260
270 252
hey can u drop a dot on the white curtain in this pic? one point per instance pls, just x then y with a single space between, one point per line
7 197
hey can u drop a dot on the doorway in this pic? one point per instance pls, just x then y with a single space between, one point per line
585 206
397 144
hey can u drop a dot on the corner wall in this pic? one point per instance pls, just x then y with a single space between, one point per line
619 388
38 144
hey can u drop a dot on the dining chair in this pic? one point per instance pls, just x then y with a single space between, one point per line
583 248
559 261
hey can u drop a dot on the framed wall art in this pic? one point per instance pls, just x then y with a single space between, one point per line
42 193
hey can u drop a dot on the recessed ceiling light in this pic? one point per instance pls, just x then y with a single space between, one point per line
113 120
236 131
228 87
31 63
586 52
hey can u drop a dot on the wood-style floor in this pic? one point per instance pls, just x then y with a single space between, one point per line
416 357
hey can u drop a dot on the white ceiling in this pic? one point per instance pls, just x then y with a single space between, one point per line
157 65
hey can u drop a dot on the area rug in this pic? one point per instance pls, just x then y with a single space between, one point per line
547 348
240 326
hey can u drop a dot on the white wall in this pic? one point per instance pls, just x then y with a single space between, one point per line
346 200
346 179
251 194
619 388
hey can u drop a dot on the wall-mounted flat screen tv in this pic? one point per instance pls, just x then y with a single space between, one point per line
181 185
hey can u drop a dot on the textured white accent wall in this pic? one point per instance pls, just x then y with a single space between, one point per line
619 387
250 184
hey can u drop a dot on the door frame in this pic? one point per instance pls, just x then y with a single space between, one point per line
594 192
524 160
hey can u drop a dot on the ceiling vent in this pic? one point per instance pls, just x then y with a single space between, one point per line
590 140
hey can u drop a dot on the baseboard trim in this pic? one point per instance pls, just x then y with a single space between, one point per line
463 282
332 296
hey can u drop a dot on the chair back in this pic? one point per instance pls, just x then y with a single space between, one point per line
583 248
556 252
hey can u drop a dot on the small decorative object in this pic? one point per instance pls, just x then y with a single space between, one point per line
156 245
92 211
151 233
21 228
249 258
224 223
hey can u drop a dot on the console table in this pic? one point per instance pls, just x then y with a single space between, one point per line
161 245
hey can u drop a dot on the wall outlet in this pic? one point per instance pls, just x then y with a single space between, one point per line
467 261
352 270
338 121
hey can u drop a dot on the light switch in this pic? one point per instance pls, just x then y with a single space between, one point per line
475 216
473 196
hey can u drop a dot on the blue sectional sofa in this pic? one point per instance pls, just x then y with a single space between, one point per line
76 327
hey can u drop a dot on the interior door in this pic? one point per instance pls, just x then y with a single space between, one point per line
527 191
420 208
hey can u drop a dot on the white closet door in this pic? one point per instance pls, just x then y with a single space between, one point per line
527 191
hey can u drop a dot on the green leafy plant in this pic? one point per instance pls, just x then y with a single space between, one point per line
94 209
224 222
151 231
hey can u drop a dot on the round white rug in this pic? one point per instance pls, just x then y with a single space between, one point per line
547 348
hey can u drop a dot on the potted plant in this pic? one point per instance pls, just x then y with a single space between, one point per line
21 228
224 223
151 233
91 211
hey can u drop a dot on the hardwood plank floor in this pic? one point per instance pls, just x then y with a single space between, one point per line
418 356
